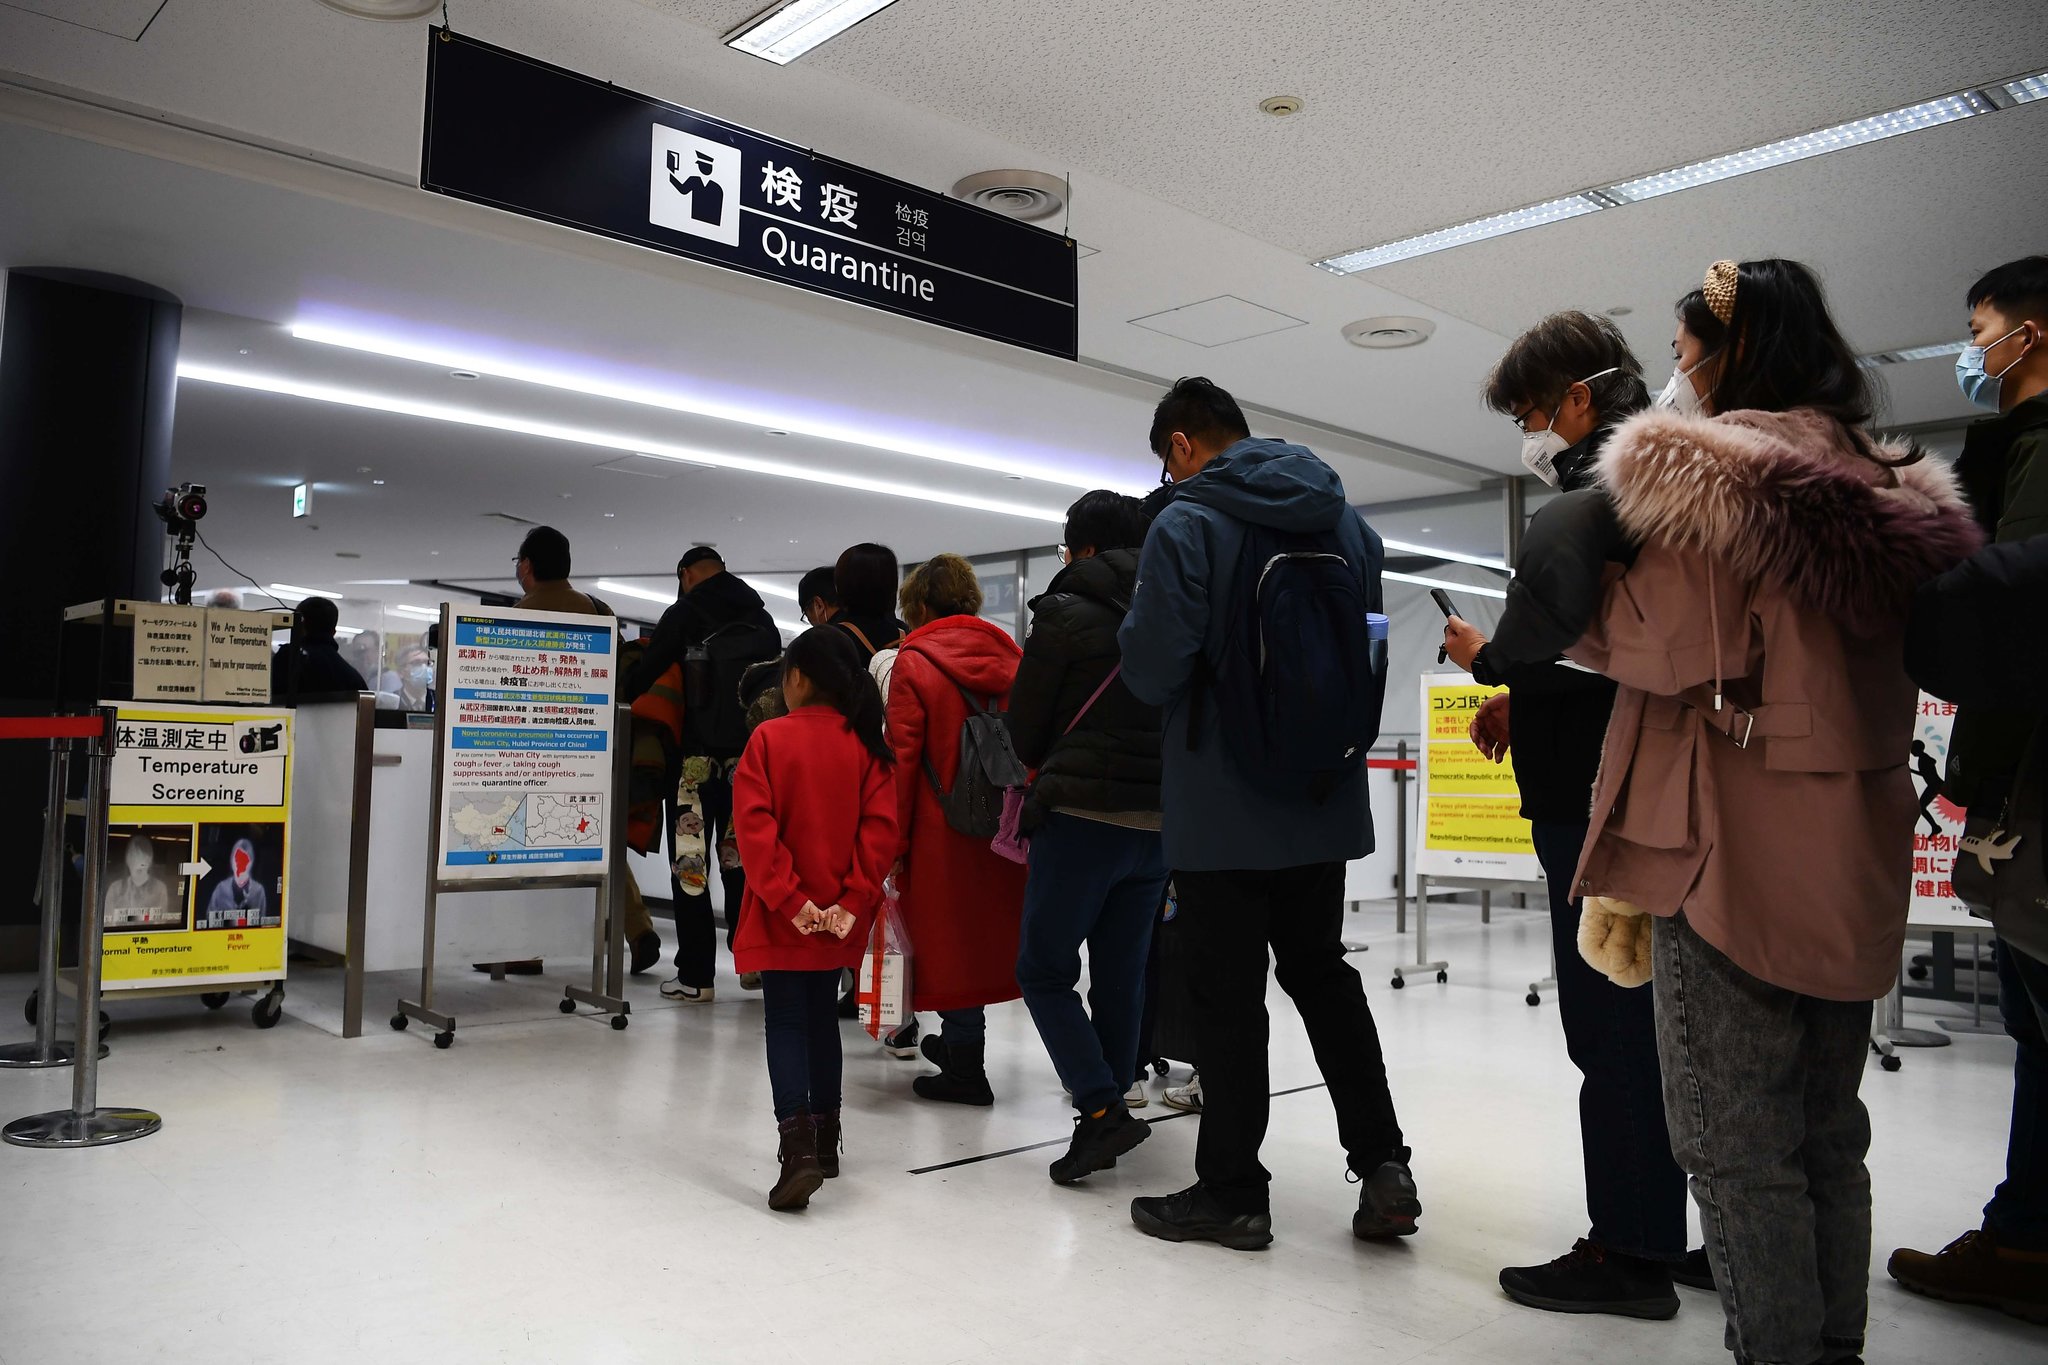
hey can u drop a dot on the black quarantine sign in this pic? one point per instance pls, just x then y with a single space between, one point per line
520 135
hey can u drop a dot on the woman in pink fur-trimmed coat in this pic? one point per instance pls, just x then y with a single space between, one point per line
1754 797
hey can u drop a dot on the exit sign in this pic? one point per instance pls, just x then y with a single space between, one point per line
302 499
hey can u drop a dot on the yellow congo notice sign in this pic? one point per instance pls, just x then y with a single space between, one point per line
194 888
1471 811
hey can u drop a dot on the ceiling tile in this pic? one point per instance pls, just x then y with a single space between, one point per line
1219 321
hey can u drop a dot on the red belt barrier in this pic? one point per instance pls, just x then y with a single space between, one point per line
51 727
1406 765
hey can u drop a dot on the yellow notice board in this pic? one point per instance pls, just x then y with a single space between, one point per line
1471 811
194 888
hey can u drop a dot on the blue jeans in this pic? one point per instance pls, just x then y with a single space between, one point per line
801 1022
2017 1215
1760 1090
1101 885
1635 1193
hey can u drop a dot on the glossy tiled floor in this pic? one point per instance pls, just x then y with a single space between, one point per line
550 1190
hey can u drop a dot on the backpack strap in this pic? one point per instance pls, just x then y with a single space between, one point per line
855 631
1089 705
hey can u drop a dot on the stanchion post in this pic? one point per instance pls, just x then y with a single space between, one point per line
85 1124
46 1051
1401 839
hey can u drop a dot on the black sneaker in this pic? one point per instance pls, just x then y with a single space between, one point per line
1098 1143
1387 1205
1695 1271
902 1042
646 951
1193 1215
1589 1280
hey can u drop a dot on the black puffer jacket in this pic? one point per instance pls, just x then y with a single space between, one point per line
1110 762
1557 719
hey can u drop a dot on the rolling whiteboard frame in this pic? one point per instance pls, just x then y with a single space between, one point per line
608 930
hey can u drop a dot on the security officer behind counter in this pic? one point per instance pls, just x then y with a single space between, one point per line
310 663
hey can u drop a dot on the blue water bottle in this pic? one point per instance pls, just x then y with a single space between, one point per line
1376 636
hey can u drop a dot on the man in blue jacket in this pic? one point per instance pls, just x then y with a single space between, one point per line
1253 869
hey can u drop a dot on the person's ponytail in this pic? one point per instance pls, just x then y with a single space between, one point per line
831 662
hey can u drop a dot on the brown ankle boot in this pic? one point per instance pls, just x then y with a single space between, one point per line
828 1144
800 1176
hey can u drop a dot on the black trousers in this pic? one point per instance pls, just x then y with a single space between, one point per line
1231 919
1635 1192
696 934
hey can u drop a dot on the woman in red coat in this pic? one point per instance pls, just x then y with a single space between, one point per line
815 812
962 904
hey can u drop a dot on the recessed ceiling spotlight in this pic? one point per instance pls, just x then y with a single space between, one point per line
1620 310
1028 196
1281 106
775 431
347 554
243 351
1389 333
378 483
362 469
463 374
610 515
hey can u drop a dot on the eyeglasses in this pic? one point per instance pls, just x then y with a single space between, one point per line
1066 555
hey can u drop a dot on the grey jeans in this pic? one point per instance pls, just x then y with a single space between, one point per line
1760 1093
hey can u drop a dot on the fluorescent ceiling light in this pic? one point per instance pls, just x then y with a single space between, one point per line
790 627
288 590
419 613
1898 357
1856 133
784 32
612 585
2026 89
1478 230
1430 551
1444 583
441 412
774 590
443 358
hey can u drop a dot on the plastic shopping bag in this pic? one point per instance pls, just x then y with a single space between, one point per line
882 989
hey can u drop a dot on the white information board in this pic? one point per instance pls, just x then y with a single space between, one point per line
1469 824
170 652
238 655
526 744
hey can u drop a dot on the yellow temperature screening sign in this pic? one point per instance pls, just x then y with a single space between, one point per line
194 888
1471 811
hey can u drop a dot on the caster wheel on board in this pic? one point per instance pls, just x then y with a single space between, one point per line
214 1000
1917 972
28 1007
567 1006
268 1010
1400 984
1442 977
1533 999
618 1022
400 1021
1891 1063
444 1040
106 1025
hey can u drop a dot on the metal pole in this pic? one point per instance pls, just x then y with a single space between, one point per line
46 1051
85 1124
1401 840
1514 503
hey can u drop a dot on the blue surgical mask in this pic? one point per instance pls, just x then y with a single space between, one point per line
1977 386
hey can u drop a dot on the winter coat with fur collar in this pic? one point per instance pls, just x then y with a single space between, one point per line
1776 572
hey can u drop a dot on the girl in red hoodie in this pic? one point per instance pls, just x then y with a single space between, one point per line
814 804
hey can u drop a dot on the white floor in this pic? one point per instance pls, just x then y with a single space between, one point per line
551 1190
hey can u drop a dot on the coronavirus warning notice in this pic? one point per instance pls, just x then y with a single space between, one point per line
526 758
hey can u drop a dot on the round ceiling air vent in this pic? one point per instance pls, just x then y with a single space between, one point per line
397 10
1390 333
1281 106
1026 195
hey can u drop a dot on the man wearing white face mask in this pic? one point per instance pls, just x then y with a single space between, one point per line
1566 383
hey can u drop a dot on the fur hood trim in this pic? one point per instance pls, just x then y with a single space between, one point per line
1784 497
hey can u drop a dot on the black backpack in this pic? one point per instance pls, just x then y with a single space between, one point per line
988 768
713 713
1300 684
